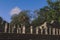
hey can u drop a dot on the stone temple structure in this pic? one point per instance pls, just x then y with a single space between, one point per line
45 31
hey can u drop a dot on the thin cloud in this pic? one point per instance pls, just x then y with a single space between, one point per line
15 10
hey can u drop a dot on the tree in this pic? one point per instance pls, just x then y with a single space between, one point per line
21 18
37 22
43 15
55 9
49 13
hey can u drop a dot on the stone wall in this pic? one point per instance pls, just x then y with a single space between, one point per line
14 36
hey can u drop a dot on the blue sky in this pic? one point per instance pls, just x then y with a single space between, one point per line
6 6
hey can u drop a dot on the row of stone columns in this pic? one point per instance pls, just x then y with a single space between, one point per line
52 31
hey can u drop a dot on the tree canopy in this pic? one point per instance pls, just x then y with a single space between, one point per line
48 13
21 18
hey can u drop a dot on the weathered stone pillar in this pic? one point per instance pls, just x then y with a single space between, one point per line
50 31
19 30
31 30
53 31
5 28
56 31
46 31
9 29
23 29
59 31
41 30
37 30
13 29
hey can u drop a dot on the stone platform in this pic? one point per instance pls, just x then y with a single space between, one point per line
13 36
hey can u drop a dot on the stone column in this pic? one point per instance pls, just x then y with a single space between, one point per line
41 29
31 30
50 31
13 29
9 29
37 30
56 31
23 29
5 28
46 31
53 31
59 31
19 30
